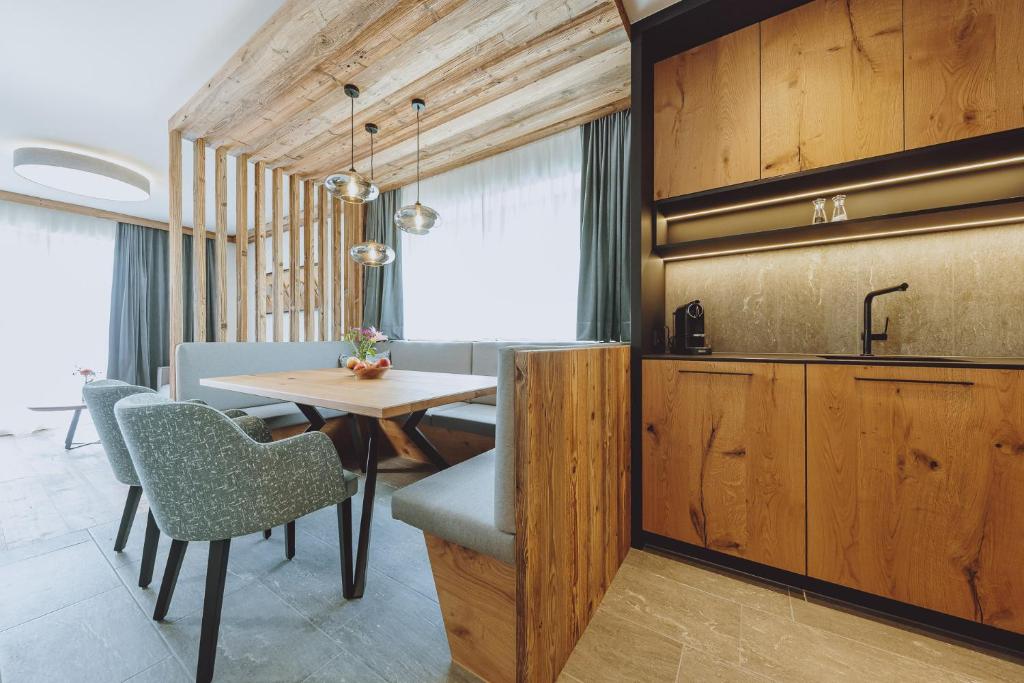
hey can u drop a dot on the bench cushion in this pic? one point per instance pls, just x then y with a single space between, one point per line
428 356
476 418
278 415
457 504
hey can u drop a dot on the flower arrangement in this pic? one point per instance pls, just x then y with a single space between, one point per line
87 374
365 362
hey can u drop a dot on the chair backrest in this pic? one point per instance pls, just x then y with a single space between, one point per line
100 396
194 466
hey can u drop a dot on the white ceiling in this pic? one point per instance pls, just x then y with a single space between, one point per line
638 9
104 76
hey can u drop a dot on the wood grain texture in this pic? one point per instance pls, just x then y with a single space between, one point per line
401 442
279 98
277 246
174 297
338 263
707 121
242 248
355 231
572 496
964 68
831 84
294 256
220 193
914 478
199 245
397 393
323 216
259 248
308 261
723 457
477 595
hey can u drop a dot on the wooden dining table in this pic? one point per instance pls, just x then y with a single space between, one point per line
393 404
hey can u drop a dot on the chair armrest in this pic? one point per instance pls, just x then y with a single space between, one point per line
307 463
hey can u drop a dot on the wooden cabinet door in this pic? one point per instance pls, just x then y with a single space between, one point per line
915 480
723 457
964 66
831 84
706 116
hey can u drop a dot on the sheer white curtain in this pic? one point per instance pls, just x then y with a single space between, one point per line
55 284
505 262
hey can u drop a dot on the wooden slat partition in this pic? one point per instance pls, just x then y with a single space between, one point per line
338 262
277 246
354 229
221 198
242 249
572 454
293 257
259 249
323 333
308 297
199 240
174 298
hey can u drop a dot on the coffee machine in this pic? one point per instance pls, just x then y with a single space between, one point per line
689 330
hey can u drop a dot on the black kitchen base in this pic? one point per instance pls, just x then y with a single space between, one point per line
935 623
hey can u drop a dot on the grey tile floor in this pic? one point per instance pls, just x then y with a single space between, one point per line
71 609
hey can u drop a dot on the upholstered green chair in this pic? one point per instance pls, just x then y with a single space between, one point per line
100 396
207 480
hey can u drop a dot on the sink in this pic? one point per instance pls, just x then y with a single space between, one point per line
893 359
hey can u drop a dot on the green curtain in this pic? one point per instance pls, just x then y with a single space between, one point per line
139 302
382 287
602 309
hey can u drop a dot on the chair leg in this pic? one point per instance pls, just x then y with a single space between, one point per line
149 551
289 540
266 533
345 541
170 580
131 506
216 575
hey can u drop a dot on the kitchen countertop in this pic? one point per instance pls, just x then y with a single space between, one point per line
809 358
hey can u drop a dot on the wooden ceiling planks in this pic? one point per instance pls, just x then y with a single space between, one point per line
496 74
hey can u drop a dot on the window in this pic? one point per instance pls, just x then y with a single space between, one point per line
504 264
56 292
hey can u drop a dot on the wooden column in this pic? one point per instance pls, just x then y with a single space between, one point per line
323 211
259 250
242 247
337 263
174 252
277 243
293 257
308 268
355 219
221 197
199 240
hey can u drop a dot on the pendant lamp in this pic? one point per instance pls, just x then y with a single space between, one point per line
371 253
417 219
351 186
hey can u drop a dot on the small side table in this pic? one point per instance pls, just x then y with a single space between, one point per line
77 408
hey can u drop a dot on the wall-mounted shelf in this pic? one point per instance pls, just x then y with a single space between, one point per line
958 217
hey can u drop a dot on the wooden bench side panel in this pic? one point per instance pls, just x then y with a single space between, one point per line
572 496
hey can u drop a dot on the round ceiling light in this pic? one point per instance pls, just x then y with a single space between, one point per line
80 174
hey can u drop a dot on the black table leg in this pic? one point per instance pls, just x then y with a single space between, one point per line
70 438
316 420
366 518
412 428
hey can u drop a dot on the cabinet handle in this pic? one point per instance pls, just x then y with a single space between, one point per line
715 372
915 381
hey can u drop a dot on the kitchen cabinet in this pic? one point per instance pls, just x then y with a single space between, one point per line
831 84
706 116
723 457
964 68
914 481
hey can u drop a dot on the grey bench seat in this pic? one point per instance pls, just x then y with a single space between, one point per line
475 418
279 415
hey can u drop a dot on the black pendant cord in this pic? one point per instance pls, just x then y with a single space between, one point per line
371 156
417 156
352 132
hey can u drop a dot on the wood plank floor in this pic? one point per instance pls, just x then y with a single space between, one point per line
70 608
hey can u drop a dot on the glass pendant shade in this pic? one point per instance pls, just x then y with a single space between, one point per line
351 186
417 219
372 254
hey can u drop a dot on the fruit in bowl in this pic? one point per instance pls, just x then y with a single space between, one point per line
369 368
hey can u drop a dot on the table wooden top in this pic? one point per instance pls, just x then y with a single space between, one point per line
399 392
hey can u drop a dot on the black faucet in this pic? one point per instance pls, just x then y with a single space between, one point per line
867 336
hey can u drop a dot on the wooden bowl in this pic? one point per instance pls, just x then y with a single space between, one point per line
370 373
